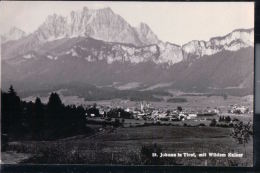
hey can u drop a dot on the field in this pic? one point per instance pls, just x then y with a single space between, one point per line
123 146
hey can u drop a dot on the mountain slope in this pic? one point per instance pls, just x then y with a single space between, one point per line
91 61
223 70
168 52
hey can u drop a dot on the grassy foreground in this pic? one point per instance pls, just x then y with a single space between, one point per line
123 146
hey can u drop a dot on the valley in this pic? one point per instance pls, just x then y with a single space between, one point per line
91 88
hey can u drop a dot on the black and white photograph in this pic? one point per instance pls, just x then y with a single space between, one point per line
127 83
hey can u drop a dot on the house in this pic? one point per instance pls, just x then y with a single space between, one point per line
191 116
239 109
182 116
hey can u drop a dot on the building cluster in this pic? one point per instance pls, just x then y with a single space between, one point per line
146 111
238 109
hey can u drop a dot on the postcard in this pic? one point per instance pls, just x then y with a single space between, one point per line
127 83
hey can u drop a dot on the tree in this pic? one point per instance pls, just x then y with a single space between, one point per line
55 102
55 114
12 91
179 108
227 119
80 119
213 123
93 110
38 119
12 108
55 106
241 133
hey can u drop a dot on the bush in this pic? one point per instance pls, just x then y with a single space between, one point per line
235 119
231 125
213 123
202 124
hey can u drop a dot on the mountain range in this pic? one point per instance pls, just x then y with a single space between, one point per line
99 47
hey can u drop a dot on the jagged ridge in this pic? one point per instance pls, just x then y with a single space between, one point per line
104 24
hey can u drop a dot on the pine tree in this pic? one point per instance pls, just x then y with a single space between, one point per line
13 103
38 119
55 115
12 91
55 102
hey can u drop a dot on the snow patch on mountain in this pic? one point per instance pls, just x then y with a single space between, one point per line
52 57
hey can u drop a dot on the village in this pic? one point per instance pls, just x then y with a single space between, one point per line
145 111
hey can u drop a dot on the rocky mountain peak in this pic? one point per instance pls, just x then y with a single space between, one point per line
144 27
146 35
105 10
13 34
54 27
109 27
102 24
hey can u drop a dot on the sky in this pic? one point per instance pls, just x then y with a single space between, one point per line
176 22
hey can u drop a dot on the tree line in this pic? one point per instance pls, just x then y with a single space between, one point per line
39 121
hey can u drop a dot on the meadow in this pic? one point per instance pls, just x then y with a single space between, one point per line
123 146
